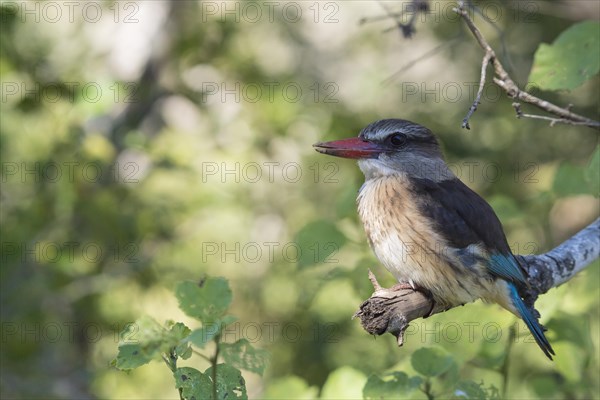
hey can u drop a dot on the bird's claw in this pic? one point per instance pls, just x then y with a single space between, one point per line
413 286
403 286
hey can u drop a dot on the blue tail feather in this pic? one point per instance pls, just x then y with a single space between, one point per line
534 326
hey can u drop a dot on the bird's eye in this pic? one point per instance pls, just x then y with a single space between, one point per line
398 139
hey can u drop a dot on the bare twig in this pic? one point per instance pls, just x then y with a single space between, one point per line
553 121
503 80
473 108
391 310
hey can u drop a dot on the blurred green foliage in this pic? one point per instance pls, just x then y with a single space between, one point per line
167 140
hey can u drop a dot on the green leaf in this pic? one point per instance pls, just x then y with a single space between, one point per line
569 180
131 356
318 242
230 383
206 301
140 343
573 58
194 384
592 173
390 386
184 352
242 354
431 361
178 330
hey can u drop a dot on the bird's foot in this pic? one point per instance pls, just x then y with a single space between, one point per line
402 286
413 286
426 292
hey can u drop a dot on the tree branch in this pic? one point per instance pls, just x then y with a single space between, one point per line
391 310
504 81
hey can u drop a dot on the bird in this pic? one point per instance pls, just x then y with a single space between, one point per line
429 229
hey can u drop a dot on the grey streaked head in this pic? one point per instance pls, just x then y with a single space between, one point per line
387 129
393 146
407 148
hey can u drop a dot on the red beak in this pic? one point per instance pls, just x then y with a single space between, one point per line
349 148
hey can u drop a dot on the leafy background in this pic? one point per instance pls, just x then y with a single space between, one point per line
84 256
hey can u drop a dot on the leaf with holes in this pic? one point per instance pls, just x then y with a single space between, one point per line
230 383
193 383
141 342
242 354
206 301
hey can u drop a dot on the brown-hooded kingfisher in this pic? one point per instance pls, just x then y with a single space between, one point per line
427 227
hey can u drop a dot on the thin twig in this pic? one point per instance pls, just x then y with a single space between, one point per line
503 80
553 121
473 108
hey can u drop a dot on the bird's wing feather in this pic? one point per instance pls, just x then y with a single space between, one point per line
464 218
531 321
